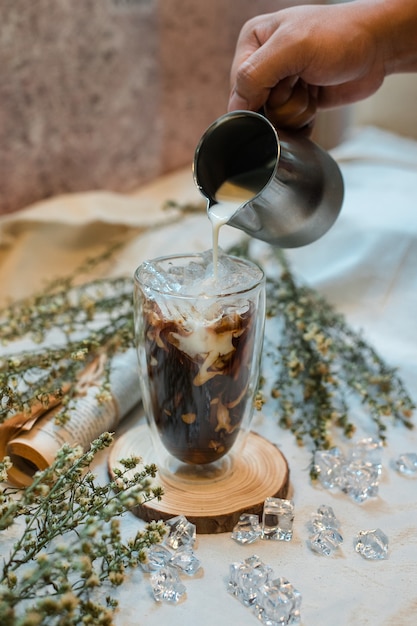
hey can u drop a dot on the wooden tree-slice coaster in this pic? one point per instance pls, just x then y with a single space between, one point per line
214 506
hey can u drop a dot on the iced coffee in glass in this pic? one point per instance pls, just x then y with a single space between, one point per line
199 337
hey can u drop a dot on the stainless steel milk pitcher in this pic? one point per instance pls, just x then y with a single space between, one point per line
292 188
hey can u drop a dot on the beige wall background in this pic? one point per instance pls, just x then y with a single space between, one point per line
393 107
109 94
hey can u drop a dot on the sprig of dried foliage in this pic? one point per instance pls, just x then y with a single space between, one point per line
68 325
70 544
317 366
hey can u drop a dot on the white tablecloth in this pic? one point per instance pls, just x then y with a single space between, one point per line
367 266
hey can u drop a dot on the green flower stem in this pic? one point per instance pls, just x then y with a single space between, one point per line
47 575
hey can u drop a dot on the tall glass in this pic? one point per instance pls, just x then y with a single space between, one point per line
199 340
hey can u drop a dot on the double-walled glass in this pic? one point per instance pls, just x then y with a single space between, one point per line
199 352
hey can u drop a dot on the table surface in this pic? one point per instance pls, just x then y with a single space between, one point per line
367 267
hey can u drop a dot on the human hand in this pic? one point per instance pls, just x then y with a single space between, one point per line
299 59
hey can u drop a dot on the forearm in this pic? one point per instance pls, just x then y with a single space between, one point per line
394 26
